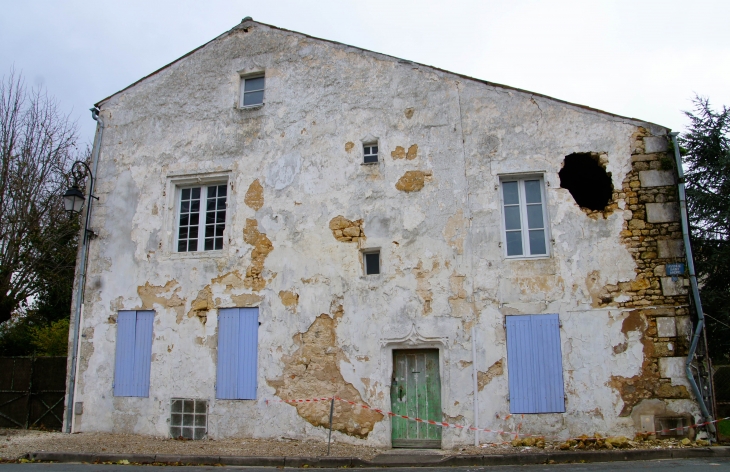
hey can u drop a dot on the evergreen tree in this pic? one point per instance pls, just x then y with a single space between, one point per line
706 151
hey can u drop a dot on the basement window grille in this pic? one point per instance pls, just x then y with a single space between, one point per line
188 418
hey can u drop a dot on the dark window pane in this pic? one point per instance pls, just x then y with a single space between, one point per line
367 149
200 406
222 190
212 192
187 433
186 194
534 216
514 243
532 191
199 433
218 243
193 232
196 193
210 204
537 242
188 406
209 244
183 233
195 206
176 406
219 230
199 420
256 83
192 245
195 219
184 207
175 432
374 150
510 193
209 231
253 98
369 159
372 263
209 217
182 245
188 419
512 217
221 218
221 203
175 419
184 219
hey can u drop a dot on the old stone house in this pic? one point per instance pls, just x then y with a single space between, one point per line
282 217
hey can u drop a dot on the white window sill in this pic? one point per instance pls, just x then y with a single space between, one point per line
370 163
251 107
198 254
527 258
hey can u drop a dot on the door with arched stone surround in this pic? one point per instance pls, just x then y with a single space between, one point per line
416 392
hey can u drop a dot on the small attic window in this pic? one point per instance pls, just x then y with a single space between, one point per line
252 91
371 258
370 153
586 180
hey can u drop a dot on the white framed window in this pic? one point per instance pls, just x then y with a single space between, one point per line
370 153
371 261
201 217
524 216
252 91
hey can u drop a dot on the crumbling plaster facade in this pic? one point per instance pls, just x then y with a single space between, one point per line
432 206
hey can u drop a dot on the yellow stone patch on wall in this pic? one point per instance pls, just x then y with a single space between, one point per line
349 145
412 181
289 299
454 231
312 371
345 230
495 370
261 248
400 152
409 113
255 195
412 152
151 295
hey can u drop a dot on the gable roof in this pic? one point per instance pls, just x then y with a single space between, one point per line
249 21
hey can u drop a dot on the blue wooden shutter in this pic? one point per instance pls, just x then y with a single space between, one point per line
535 365
142 354
237 353
248 353
124 360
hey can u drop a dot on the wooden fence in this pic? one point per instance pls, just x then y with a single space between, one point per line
32 390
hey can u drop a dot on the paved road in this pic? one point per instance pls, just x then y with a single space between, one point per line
669 465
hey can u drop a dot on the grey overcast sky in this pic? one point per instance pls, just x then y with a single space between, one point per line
639 58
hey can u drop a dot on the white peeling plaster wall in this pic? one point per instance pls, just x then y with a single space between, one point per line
441 242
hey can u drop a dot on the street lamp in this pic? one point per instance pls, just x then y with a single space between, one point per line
73 199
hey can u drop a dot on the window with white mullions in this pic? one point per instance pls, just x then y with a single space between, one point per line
370 152
524 217
252 91
187 239
196 233
215 217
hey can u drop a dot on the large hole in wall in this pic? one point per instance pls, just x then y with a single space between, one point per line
586 180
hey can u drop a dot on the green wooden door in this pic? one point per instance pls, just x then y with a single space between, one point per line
416 392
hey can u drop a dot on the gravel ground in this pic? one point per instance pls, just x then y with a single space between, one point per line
15 443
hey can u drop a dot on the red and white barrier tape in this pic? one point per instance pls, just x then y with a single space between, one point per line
468 428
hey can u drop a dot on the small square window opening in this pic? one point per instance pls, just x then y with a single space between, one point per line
372 262
370 152
202 232
252 91
188 418
524 217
